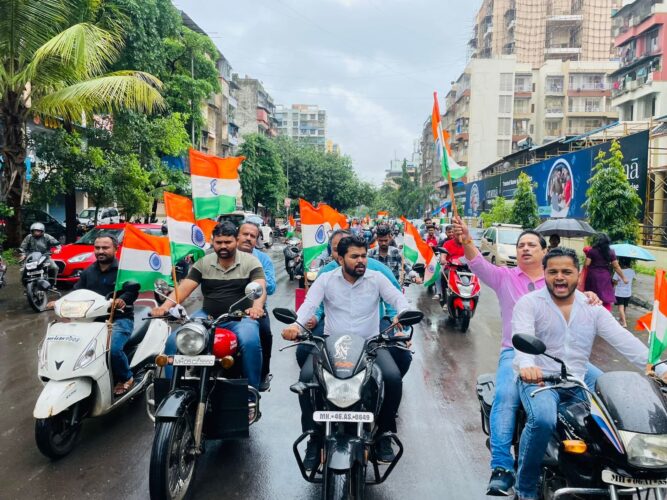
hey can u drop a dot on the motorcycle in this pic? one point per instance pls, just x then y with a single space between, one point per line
35 278
74 366
207 398
293 257
611 443
461 291
348 393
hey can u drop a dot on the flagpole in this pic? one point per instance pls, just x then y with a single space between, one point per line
173 276
444 157
402 273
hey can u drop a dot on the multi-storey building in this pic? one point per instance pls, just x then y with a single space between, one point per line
539 30
306 123
395 171
640 84
255 109
332 147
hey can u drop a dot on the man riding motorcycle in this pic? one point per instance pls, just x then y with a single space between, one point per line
351 295
223 276
559 316
391 256
39 241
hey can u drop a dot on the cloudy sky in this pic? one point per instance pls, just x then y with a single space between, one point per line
372 64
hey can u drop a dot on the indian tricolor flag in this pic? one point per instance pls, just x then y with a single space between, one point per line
383 214
656 322
417 251
144 259
316 226
215 184
442 148
185 236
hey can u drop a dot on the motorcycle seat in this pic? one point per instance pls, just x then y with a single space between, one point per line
140 326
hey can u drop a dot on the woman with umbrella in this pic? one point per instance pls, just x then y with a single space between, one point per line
599 258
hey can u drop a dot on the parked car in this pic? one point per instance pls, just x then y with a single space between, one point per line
239 217
108 215
53 226
498 244
476 235
75 257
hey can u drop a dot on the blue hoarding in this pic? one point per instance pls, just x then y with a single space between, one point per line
562 181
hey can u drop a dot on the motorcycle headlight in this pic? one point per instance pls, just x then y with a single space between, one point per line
645 450
465 289
80 258
191 339
343 393
74 309
30 266
87 356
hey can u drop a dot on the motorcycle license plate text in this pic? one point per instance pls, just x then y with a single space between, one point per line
343 416
205 360
611 477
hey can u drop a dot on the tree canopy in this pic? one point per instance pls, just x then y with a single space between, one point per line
524 210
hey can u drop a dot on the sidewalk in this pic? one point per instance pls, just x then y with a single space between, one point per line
642 291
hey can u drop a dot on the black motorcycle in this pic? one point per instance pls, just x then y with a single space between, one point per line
293 258
35 279
207 398
611 443
347 394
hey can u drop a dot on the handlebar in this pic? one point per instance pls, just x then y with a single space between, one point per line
552 378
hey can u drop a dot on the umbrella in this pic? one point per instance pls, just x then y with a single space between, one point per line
566 228
632 251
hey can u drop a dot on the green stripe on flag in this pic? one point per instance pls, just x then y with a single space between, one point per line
410 254
146 279
181 250
430 280
210 208
656 347
311 253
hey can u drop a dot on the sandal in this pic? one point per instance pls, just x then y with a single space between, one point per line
122 387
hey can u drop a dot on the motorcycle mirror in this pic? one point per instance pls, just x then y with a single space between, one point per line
409 318
528 344
284 315
253 290
161 285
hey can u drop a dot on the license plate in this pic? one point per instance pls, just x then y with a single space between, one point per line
611 477
364 417
34 273
206 360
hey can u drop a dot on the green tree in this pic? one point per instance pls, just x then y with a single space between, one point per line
612 204
524 209
53 61
500 213
262 178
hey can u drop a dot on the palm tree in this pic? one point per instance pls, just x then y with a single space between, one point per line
52 63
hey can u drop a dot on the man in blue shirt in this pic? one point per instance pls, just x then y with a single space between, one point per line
247 239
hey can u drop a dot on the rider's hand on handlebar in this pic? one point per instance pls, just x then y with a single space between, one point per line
531 375
160 311
291 332
255 312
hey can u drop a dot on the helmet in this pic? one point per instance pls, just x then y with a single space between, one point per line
37 226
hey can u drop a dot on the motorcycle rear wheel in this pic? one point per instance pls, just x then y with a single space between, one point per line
172 466
37 298
56 436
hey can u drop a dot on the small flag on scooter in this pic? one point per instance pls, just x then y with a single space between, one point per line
143 259
417 251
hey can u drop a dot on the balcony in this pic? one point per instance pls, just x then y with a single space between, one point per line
489 30
473 42
555 112
565 18
233 103
508 48
554 88
562 51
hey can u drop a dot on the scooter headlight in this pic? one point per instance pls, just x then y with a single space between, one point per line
343 393
645 450
87 356
191 339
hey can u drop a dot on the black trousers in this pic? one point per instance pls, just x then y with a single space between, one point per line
266 341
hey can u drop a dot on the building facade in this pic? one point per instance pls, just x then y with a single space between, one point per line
306 123
255 112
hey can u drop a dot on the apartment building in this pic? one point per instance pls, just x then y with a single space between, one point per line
640 84
255 112
535 31
332 147
306 123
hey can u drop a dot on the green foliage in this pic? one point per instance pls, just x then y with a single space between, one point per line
501 212
644 269
132 184
262 178
612 204
524 209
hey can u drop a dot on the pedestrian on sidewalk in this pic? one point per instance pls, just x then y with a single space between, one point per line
623 291
599 260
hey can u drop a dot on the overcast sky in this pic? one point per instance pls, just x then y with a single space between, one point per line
372 64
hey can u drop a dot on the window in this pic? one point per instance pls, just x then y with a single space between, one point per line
506 82
522 83
521 106
503 146
505 104
554 84
504 125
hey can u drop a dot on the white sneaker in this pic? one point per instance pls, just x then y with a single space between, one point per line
436 296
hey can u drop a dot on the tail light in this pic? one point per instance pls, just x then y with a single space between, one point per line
224 343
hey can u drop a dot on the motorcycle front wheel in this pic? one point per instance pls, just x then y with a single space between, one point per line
464 321
37 298
56 436
173 464
339 485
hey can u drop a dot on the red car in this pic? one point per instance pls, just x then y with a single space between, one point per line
75 257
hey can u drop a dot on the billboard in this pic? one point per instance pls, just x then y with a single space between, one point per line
562 181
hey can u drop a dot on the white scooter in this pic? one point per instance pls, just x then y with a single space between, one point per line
74 365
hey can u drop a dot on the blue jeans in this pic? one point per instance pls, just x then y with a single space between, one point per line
120 333
505 405
247 334
541 418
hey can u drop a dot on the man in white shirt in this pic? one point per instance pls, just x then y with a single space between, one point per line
351 295
561 317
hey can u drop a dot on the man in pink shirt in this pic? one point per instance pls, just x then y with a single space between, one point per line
510 284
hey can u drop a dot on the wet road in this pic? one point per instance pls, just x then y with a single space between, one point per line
439 421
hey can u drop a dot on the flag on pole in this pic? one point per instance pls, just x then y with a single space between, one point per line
442 148
656 322
383 214
185 236
144 259
291 226
215 184
316 226
416 251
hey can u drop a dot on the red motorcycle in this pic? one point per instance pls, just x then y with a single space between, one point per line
460 291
